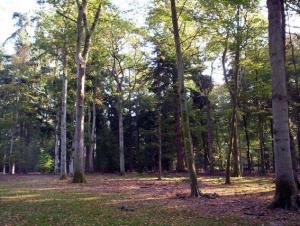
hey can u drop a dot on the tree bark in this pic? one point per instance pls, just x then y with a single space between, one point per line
93 137
180 166
12 164
286 190
210 139
56 148
121 136
261 145
4 164
187 138
159 146
249 163
63 125
81 61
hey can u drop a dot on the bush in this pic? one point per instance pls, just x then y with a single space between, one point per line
45 162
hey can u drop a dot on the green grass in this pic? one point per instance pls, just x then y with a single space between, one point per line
44 202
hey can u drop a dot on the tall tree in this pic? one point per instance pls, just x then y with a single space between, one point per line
187 138
84 35
286 190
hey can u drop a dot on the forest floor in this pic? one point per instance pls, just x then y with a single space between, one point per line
135 199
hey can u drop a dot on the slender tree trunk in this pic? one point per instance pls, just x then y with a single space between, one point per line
180 166
187 138
93 137
261 145
12 164
121 136
249 163
286 190
4 164
63 125
210 138
228 163
159 146
56 148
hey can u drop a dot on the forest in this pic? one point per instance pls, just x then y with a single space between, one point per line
180 112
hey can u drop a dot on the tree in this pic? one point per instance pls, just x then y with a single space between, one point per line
286 190
187 139
84 35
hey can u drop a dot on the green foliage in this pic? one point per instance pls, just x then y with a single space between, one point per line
45 163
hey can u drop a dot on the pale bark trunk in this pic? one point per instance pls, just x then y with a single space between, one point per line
121 136
93 139
188 145
4 165
81 61
63 128
11 155
286 191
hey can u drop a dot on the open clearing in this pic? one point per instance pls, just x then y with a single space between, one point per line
136 199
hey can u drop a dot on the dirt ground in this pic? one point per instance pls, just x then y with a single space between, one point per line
246 198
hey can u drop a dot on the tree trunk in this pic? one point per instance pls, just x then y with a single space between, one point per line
159 146
210 139
286 190
228 163
249 163
261 144
12 164
187 138
93 138
63 125
121 136
180 166
79 134
4 164
56 148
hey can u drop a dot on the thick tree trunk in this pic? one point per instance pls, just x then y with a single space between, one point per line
79 134
121 136
286 190
63 125
187 138
228 163
210 139
159 146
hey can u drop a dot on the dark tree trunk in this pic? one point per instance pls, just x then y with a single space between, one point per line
187 138
249 163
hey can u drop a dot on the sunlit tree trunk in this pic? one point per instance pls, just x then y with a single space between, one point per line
81 61
187 139
286 190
